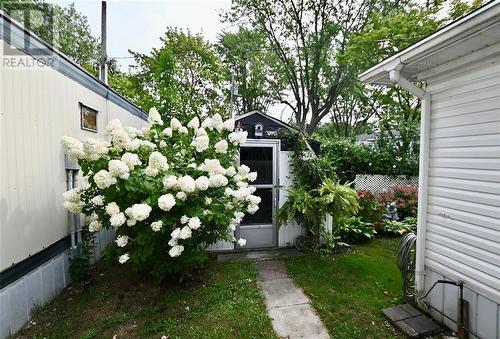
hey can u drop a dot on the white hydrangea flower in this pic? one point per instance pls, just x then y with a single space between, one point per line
218 180
170 182
243 170
73 207
212 166
253 199
228 125
138 212
117 219
158 161
73 148
162 144
122 241
237 178
242 184
252 209
230 171
123 258
237 138
242 242
201 131
183 130
241 193
113 126
176 233
207 123
72 195
98 200
239 215
202 183
118 168
103 179
156 226
166 202
112 209
154 117
200 143
175 124
181 196
252 189
217 122
172 242
252 176
194 223
168 132
184 219
228 206
131 222
147 144
131 159
221 147
151 172
194 123
176 251
187 184
94 149
228 192
132 131
185 233
208 201
95 226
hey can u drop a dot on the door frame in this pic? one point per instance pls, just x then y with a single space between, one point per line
276 145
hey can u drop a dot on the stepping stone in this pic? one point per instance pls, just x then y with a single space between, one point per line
298 321
411 322
288 307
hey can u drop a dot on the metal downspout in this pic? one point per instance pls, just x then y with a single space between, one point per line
71 217
425 98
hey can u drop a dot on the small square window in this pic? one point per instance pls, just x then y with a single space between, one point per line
88 118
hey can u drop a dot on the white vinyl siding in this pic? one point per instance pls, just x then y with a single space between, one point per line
37 108
463 215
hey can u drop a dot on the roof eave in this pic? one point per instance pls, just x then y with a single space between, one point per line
443 38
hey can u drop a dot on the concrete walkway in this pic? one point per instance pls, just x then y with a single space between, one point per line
288 307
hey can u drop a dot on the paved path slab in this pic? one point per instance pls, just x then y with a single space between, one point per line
288 307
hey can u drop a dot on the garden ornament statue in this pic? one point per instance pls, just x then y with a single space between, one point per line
391 213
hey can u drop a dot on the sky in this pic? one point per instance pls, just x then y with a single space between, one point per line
138 25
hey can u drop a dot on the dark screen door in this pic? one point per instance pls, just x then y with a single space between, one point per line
259 228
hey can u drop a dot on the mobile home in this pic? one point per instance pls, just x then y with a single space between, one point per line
458 237
44 96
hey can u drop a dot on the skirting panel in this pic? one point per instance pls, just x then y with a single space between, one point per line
483 315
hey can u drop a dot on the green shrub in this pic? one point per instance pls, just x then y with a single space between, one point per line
394 227
370 209
405 197
354 230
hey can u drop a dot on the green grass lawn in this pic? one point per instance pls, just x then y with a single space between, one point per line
350 291
226 305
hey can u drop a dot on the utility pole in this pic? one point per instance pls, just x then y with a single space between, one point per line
104 56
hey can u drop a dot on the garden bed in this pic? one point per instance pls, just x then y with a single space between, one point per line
226 304
350 291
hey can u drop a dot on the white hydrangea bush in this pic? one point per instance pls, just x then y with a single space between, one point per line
169 190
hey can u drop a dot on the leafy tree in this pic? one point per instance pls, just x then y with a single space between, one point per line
184 77
306 37
248 62
397 112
